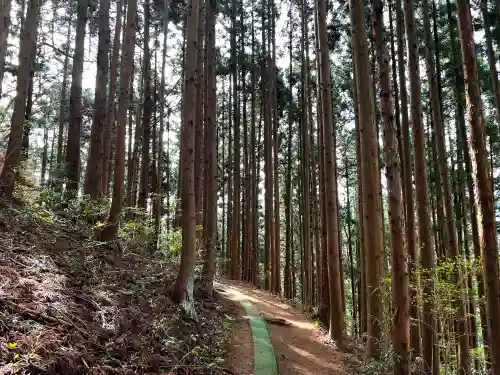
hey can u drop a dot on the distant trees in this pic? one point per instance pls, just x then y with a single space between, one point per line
261 161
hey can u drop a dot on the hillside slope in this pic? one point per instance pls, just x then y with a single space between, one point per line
70 305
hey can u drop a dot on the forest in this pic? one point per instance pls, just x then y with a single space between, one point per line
340 155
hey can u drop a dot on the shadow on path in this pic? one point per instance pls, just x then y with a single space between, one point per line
301 348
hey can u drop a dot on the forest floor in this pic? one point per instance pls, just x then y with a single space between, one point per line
301 348
70 305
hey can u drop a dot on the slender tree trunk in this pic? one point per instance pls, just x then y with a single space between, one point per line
459 99
425 236
337 319
482 182
110 102
288 187
268 198
397 108
62 107
235 231
75 105
159 193
146 113
95 163
400 329
408 187
210 149
5 7
198 156
45 154
28 112
253 161
184 283
275 133
110 230
230 206
373 228
26 58
306 228
450 229
349 245
492 63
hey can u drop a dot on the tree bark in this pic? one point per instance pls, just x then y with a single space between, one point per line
95 163
336 312
75 105
429 326
400 329
62 109
5 7
110 230
210 149
146 113
373 228
184 284
482 182
26 58
110 102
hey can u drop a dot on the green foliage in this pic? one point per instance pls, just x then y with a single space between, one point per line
381 366
140 228
170 242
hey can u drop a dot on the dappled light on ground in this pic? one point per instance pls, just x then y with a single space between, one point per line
301 348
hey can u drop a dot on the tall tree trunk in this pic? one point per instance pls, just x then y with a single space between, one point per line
408 186
275 132
429 326
336 312
95 162
198 165
45 154
482 182
349 245
235 231
459 90
253 165
62 107
26 58
146 113
4 34
75 104
450 229
110 102
304 136
28 112
230 181
268 198
397 108
159 193
110 230
210 149
373 228
492 63
184 284
287 286
400 329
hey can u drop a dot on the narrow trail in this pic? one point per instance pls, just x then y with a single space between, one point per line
300 347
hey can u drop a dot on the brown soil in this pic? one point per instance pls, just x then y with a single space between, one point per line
240 358
301 348
69 305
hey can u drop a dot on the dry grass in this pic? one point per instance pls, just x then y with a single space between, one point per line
73 306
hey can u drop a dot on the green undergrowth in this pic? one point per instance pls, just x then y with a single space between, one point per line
74 305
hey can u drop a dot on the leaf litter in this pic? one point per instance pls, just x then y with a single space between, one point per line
70 305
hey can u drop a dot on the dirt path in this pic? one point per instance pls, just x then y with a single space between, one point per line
300 347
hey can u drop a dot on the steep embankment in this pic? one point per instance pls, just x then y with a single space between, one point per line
69 305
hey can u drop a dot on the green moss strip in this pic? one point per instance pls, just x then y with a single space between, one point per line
264 359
